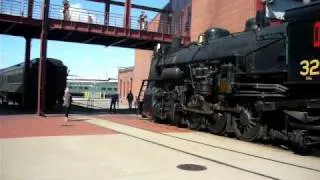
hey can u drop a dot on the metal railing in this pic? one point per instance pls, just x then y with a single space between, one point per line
20 8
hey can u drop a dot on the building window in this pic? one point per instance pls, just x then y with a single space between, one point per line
115 89
121 87
124 89
103 89
86 88
109 89
128 86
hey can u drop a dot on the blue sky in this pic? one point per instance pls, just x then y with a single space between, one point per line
83 60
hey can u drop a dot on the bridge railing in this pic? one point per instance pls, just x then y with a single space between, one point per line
74 14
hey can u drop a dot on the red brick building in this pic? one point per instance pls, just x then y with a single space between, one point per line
227 14
191 17
125 82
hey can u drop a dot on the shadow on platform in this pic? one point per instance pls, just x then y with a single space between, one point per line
13 110
91 110
75 109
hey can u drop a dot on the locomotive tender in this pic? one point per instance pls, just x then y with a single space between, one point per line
263 83
12 87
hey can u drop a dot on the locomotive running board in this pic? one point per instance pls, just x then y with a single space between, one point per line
302 116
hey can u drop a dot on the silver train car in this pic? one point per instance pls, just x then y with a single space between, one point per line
12 86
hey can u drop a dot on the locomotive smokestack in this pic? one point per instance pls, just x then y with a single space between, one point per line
261 13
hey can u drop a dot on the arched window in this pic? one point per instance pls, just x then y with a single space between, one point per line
120 91
124 89
131 84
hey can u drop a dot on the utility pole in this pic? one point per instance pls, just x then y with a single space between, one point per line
42 62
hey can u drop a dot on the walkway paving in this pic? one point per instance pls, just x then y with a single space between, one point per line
134 121
19 126
124 147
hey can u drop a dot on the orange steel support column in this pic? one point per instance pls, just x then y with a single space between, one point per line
25 73
127 7
30 8
42 61
106 12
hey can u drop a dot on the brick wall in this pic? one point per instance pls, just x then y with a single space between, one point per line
125 82
141 69
228 14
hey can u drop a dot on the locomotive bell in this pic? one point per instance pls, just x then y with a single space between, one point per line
215 33
251 25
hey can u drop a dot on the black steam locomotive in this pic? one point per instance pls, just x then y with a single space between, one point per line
263 83
12 87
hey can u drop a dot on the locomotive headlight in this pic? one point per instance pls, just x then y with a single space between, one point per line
158 47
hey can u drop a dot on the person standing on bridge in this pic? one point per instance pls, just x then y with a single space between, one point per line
66 13
143 21
90 20
67 102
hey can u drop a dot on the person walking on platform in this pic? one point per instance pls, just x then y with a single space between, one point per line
114 100
67 103
130 99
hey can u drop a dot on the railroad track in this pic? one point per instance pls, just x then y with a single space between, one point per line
242 161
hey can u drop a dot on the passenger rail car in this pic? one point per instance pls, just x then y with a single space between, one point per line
263 83
12 87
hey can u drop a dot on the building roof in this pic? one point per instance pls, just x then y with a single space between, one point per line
93 80
126 69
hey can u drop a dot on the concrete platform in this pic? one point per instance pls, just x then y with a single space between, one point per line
124 147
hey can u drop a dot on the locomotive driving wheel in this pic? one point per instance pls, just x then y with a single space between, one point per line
218 123
176 115
194 121
247 125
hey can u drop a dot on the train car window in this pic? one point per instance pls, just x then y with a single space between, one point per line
15 78
103 89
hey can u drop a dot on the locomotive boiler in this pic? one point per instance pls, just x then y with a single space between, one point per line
12 86
263 83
